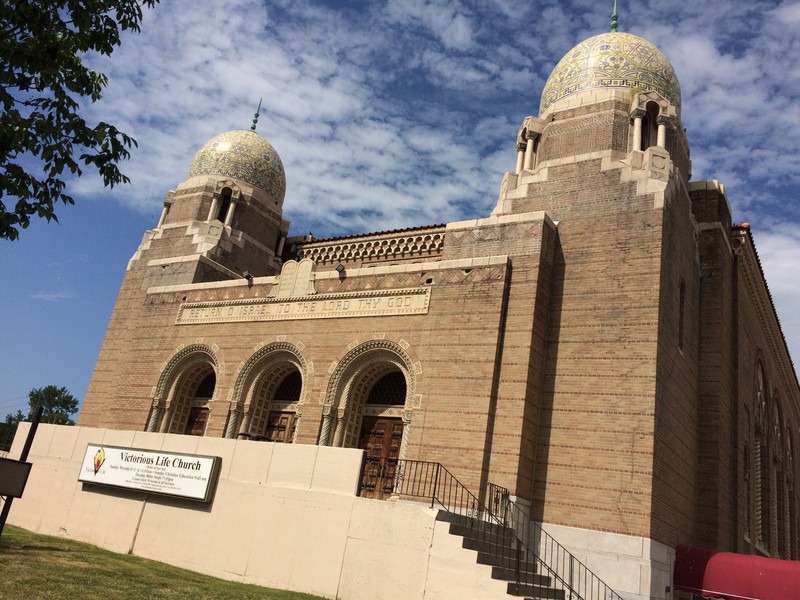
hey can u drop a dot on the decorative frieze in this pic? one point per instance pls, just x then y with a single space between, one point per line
424 243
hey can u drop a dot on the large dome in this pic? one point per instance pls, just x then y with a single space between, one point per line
245 155
612 60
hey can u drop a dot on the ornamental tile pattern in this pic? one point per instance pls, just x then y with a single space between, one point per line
244 155
612 60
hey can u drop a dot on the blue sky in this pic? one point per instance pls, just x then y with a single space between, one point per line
387 114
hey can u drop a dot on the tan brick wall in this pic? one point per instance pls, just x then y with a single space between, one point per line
676 420
554 360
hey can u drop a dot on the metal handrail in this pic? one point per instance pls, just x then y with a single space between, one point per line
518 546
585 583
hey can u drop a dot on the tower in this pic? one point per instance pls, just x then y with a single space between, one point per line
224 220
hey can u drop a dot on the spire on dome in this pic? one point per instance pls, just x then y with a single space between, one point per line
614 18
258 113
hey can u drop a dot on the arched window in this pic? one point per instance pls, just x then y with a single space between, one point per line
681 313
224 203
650 125
747 506
761 463
389 390
779 487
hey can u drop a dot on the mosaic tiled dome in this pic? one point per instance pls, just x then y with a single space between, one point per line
612 60
245 155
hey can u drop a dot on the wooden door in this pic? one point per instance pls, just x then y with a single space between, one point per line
280 426
196 423
380 438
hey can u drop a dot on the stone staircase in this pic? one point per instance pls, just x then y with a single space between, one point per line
496 546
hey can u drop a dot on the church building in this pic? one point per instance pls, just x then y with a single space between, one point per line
602 346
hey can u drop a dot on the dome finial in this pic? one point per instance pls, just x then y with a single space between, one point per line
258 113
614 17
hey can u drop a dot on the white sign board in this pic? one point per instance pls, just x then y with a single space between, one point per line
168 473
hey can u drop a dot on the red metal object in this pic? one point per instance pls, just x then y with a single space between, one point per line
735 576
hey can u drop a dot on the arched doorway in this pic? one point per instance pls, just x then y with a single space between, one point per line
381 434
185 392
268 396
191 399
281 408
369 403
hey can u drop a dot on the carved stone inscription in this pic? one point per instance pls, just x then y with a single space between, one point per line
328 306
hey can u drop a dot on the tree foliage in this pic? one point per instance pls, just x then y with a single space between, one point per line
59 405
14 418
43 81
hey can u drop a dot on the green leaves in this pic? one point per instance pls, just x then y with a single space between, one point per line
43 81
59 404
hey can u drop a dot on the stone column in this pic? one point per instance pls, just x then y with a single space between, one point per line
338 433
327 420
212 212
248 417
163 216
155 413
520 157
233 422
231 209
637 133
662 133
529 151
636 117
164 427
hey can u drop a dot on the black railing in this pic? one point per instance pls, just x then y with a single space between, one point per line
520 551
498 499
581 580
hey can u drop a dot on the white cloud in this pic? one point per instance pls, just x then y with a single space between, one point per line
779 250
405 113
53 296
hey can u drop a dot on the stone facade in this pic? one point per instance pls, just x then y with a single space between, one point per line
603 345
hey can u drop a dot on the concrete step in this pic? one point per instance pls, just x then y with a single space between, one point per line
510 574
535 592
481 529
503 547
496 546
506 562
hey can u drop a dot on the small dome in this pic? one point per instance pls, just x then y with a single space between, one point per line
612 60
245 155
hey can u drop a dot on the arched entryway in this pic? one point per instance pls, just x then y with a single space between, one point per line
275 405
368 405
185 393
269 395
198 404
381 434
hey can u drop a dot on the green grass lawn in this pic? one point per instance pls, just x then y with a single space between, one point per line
34 566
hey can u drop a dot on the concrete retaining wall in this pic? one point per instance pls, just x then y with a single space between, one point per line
283 516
